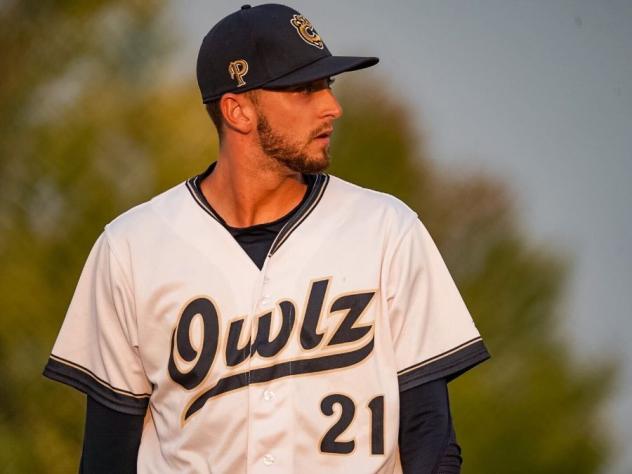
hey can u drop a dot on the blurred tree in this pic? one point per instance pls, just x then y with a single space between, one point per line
92 125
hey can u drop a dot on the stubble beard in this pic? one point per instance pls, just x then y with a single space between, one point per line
289 155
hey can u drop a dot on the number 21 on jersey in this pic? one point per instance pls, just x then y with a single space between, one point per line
330 443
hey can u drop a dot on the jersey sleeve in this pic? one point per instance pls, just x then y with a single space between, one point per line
432 331
96 350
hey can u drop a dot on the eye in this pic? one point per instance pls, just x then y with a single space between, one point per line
304 89
314 86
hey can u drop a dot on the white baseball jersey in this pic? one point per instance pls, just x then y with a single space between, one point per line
296 367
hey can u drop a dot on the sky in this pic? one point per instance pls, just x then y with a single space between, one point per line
537 93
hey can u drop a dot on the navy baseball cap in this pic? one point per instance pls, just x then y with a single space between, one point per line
267 46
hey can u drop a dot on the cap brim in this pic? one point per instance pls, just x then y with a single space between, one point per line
324 67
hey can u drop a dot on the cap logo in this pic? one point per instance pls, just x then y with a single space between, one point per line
237 70
306 31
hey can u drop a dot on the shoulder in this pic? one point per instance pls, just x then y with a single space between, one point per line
381 207
145 220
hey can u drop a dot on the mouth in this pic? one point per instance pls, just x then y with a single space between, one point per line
325 134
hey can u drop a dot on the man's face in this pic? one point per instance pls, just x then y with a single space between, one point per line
295 125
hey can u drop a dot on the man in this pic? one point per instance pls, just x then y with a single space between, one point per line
273 318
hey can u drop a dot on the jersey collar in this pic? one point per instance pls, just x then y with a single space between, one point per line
317 183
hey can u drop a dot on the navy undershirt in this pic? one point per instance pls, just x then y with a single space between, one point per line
256 240
427 441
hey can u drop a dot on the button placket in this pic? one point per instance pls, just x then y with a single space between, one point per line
263 402
265 296
254 393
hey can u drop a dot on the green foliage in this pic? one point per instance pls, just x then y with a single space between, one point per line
89 129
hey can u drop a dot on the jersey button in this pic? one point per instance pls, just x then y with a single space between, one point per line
268 395
268 459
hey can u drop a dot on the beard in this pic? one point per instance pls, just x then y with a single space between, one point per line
290 155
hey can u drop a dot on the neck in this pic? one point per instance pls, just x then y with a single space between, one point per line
247 190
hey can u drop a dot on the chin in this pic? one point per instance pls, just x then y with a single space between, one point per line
302 162
308 166
318 164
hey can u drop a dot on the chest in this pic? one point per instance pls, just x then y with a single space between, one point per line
207 312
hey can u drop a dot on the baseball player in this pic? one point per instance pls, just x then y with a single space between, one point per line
263 316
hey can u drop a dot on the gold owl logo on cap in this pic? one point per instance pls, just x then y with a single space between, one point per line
237 70
306 31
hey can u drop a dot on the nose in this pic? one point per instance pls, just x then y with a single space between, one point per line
331 107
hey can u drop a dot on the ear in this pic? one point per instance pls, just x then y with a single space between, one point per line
239 112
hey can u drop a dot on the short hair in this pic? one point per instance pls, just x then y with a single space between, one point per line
215 112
